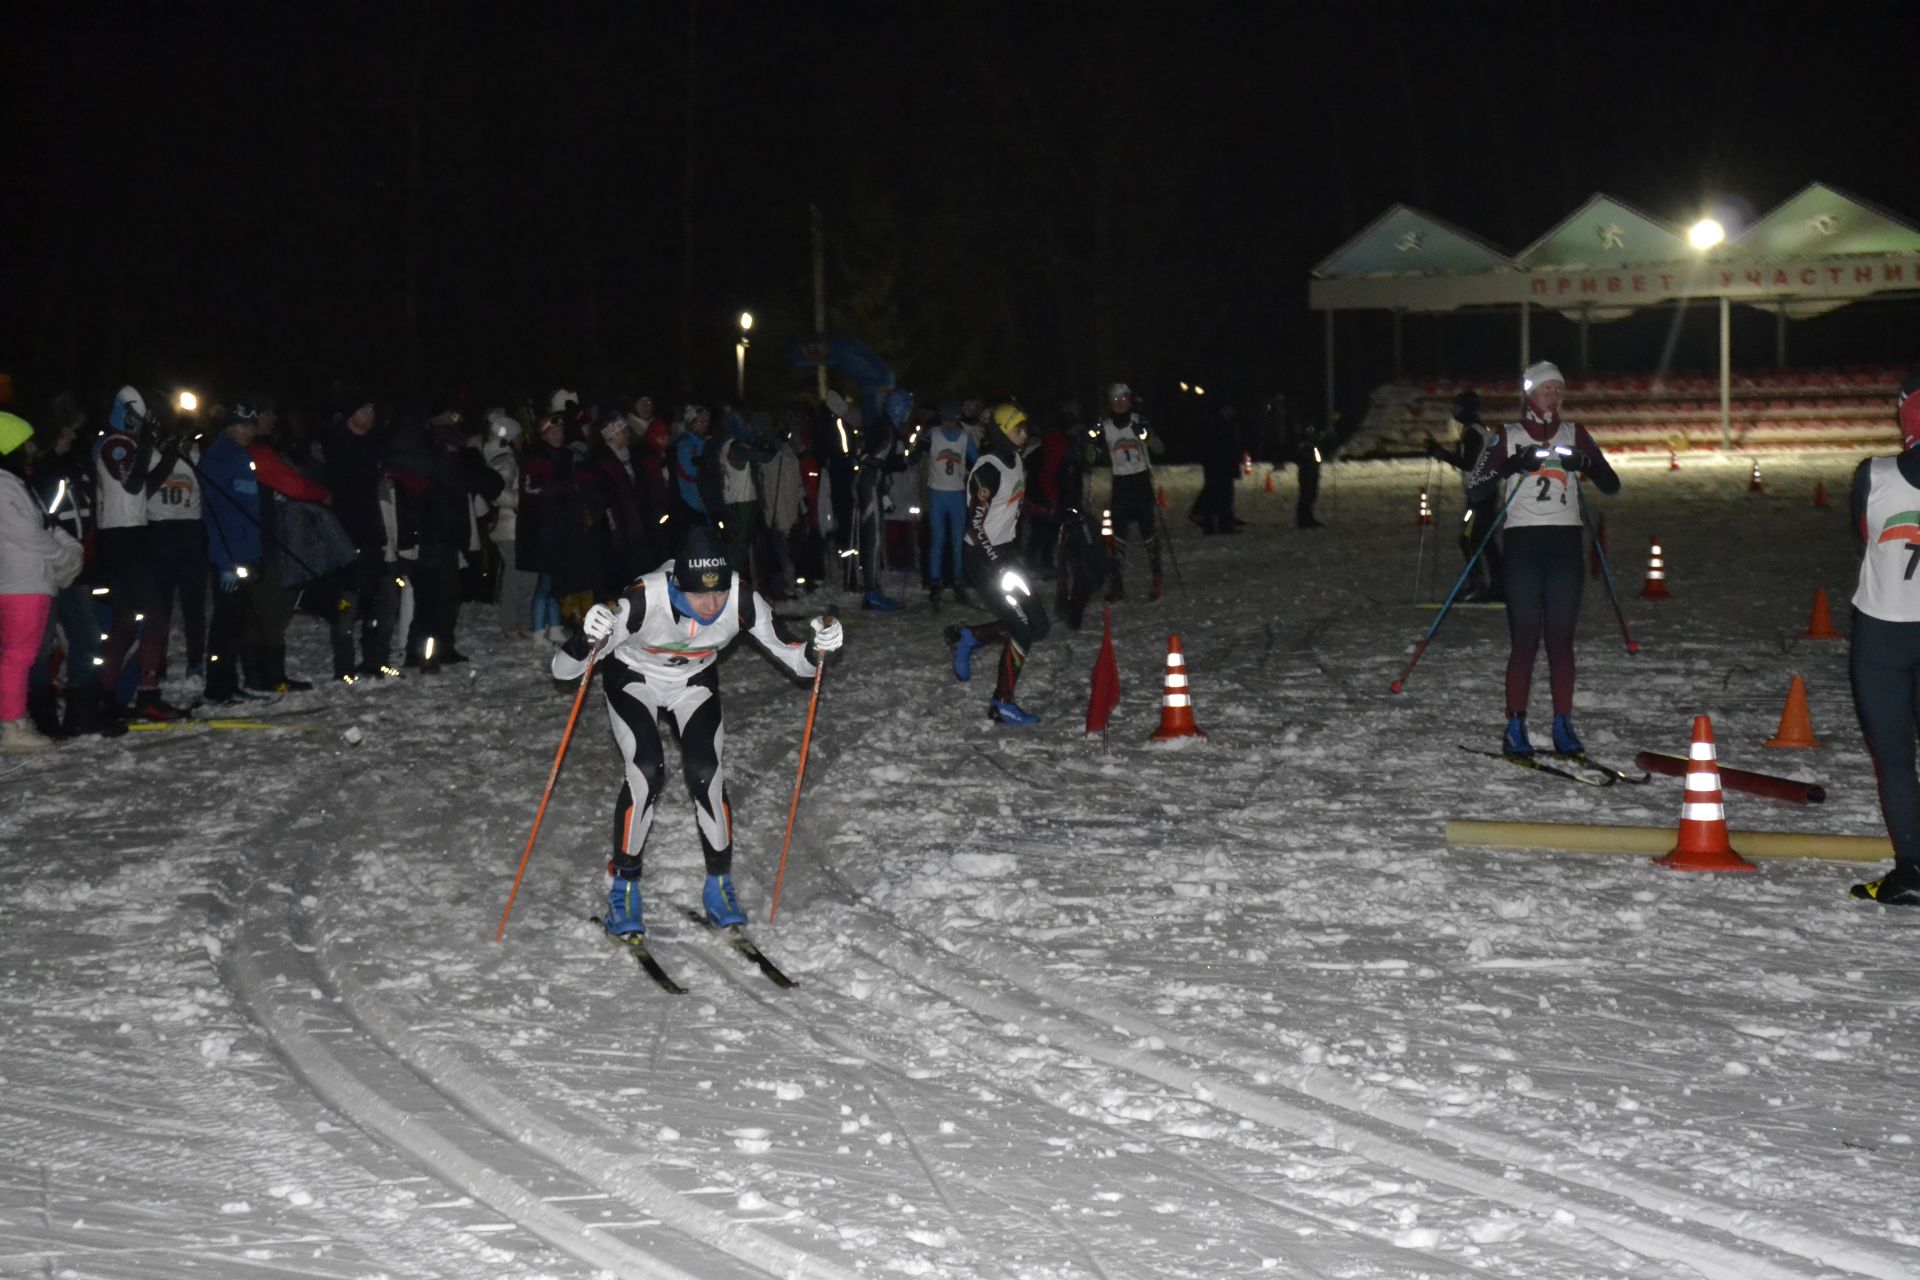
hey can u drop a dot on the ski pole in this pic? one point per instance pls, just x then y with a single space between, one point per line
1606 576
553 774
793 808
1420 557
1160 518
1492 525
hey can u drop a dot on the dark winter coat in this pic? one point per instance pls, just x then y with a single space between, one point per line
356 466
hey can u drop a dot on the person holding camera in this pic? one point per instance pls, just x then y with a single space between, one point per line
1536 466
664 635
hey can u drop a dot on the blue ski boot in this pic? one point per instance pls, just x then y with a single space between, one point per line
624 918
1008 713
880 602
1515 743
1565 740
723 909
964 643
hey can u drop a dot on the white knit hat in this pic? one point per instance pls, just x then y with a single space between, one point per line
1539 372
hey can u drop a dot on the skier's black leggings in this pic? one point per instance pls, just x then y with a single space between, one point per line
633 711
1020 625
1543 581
1885 666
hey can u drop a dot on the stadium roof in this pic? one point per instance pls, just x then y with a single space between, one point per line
1820 247
1405 241
1604 232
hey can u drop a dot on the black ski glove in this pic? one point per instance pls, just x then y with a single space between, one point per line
1526 460
1577 461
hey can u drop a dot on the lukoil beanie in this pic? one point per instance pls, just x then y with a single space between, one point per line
701 565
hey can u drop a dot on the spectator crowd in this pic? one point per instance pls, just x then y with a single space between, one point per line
388 523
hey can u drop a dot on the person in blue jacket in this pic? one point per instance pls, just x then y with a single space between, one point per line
231 509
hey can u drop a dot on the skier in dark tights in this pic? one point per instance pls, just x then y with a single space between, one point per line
1534 466
996 488
662 637
1885 659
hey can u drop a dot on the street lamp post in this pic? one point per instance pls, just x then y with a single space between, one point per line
1706 235
740 356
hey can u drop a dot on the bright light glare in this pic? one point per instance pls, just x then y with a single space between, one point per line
1199 390
1705 234
746 321
187 401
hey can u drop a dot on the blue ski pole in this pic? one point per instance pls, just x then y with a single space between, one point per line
1400 685
1606 576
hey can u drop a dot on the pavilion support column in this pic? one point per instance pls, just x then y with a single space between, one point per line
1586 324
1329 422
1780 336
1399 344
1526 332
1726 374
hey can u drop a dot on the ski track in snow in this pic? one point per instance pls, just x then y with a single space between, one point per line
1066 1008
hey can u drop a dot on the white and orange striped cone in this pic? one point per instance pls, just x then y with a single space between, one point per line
1426 510
1754 484
1673 460
1702 844
1655 587
1106 528
1176 703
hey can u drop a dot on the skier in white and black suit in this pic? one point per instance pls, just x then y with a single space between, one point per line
663 636
1885 647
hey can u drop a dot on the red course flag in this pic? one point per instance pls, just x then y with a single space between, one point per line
1105 694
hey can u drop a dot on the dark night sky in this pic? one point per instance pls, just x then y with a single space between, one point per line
1027 199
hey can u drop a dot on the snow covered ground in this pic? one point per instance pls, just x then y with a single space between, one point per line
1066 1008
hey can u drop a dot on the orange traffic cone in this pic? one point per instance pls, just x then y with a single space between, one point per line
1702 843
1655 587
1106 528
1796 724
1269 479
1820 625
1753 481
1246 463
1820 494
1673 460
1160 497
1176 704
1426 510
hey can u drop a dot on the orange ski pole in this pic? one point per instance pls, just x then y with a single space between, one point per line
553 775
806 740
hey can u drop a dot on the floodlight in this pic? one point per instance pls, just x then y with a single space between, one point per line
1705 234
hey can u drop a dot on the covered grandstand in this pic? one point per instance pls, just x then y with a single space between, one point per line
1816 252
